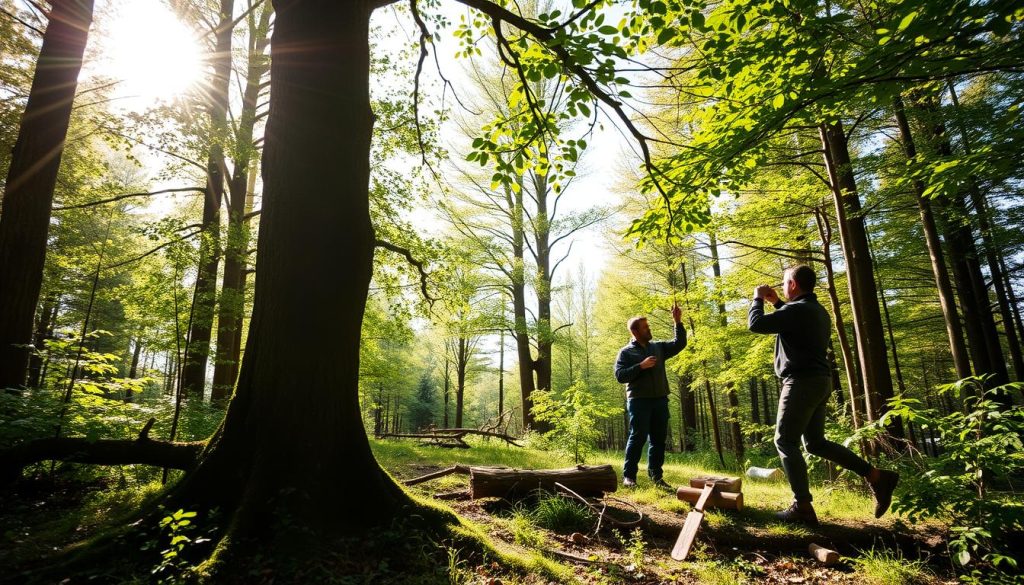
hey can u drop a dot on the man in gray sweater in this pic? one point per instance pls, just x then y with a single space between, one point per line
641 366
803 328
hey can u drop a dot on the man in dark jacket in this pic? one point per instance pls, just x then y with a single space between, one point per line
803 328
641 366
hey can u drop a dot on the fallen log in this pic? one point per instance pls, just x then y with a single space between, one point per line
454 435
143 450
501 482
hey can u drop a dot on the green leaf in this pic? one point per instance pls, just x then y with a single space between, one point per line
907 20
608 30
666 35
778 101
964 557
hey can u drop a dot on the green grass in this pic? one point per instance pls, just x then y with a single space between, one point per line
886 567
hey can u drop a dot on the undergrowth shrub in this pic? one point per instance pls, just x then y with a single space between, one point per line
969 481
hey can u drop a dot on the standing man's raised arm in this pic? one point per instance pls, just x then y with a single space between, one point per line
675 346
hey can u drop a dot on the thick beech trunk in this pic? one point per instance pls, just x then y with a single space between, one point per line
291 463
870 336
31 177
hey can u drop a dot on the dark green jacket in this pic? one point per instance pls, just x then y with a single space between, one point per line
652 382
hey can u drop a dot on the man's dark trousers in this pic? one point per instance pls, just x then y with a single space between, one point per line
801 412
648 421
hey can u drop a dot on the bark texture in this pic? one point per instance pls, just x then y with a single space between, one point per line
28 194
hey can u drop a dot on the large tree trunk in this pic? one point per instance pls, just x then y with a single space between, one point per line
232 296
867 319
950 315
31 177
291 462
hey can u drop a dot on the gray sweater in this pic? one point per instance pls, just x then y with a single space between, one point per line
803 329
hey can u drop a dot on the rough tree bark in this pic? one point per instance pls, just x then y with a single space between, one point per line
291 463
31 177
867 318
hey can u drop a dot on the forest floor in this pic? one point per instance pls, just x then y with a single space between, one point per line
47 513
749 546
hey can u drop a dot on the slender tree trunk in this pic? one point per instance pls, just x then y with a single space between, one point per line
205 298
755 413
232 297
986 349
133 371
522 332
863 296
888 327
768 417
950 315
992 256
735 431
838 322
44 331
31 177
501 375
447 388
542 247
714 419
461 363
687 412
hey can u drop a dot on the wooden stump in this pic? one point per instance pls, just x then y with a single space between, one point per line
513 483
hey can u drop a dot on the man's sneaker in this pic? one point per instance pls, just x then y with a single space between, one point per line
661 483
882 490
628 482
799 514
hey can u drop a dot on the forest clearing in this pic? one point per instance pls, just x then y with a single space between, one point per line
309 291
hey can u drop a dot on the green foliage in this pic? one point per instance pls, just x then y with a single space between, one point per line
634 546
968 482
573 416
175 529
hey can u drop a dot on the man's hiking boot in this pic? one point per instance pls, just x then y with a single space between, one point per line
628 482
661 483
799 513
881 490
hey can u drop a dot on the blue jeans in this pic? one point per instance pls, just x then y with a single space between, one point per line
802 415
648 419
